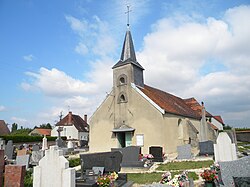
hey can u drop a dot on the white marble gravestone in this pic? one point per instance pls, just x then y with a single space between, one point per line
53 170
224 150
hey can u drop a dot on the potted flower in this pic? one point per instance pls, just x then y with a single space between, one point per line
176 181
209 176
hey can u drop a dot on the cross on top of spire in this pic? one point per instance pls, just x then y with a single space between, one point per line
128 15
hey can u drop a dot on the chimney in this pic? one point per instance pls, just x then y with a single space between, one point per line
70 118
86 118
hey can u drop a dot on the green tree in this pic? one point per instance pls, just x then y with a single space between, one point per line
14 127
46 126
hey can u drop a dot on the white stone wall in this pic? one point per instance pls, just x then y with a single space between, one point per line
53 170
69 131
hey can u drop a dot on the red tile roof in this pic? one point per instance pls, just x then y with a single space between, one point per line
75 120
219 118
46 132
170 103
193 103
4 130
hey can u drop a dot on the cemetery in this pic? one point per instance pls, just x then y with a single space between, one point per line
217 164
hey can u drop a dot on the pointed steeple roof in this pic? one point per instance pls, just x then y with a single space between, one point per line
128 52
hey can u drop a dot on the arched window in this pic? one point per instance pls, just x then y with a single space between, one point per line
122 80
122 98
180 130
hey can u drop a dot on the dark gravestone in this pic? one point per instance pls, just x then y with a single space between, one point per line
236 168
9 149
130 156
242 181
111 161
157 153
35 147
206 148
184 152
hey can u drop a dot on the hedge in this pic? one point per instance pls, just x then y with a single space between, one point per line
22 138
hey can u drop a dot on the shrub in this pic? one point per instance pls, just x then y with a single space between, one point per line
74 162
21 138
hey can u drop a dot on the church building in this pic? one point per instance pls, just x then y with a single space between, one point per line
137 114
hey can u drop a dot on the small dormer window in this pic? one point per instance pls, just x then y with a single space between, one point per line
122 98
122 80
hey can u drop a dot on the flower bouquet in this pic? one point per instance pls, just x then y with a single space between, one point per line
209 175
107 180
176 181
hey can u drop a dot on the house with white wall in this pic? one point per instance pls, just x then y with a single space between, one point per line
73 127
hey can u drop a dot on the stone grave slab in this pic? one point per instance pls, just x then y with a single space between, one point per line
111 161
36 156
236 168
206 148
184 152
14 176
224 150
35 147
23 160
241 181
1 166
21 152
59 172
9 149
130 156
156 151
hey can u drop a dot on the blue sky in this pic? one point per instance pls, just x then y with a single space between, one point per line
57 55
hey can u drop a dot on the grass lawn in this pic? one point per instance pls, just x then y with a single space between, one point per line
149 178
184 165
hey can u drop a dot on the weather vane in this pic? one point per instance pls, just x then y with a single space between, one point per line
128 14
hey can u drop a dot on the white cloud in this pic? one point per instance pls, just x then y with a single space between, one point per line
56 83
2 108
28 58
95 36
177 52
81 49
19 121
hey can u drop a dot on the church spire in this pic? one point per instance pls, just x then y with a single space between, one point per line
128 51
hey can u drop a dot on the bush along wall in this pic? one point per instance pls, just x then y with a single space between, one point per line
19 138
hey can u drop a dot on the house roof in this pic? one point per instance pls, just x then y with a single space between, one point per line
128 52
170 103
219 118
46 132
194 104
76 120
4 130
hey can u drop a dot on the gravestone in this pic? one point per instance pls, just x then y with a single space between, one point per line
9 149
2 144
59 175
23 160
184 152
21 152
35 147
241 181
206 148
111 161
14 176
1 166
224 150
45 143
130 156
70 144
236 168
157 153
36 156
59 141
